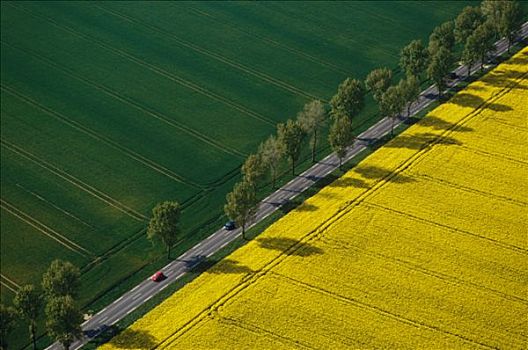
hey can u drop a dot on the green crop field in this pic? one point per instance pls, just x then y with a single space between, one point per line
109 108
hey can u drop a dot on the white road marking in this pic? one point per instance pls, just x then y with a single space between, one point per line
136 296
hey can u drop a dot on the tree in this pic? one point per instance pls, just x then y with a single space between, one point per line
511 19
28 302
311 118
241 205
7 323
492 11
61 279
442 36
349 99
439 67
392 102
466 22
341 136
165 224
410 90
63 320
253 169
482 42
291 136
271 153
413 58
378 81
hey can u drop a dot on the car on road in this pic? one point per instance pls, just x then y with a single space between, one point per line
158 276
230 225
453 76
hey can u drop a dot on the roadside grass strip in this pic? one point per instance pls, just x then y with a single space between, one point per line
422 245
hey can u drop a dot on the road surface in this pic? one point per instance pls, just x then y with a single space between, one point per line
129 301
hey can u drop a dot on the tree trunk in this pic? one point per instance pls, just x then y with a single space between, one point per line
469 69
392 125
314 145
33 337
409 109
340 163
168 251
244 231
293 167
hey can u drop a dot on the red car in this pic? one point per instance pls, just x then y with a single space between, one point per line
158 276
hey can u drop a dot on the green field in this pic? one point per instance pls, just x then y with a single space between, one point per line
108 108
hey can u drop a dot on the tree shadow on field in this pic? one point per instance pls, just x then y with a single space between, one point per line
378 173
349 182
466 99
221 266
437 123
420 141
289 246
134 339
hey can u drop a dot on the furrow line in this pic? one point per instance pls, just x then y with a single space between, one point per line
253 72
160 71
8 287
65 212
97 136
45 229
74 181
9 280
469 189
414 267
450 228
386 313
314 59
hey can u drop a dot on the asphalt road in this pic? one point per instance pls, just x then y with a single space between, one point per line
129 301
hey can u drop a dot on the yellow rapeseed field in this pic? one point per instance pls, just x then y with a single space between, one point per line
422 245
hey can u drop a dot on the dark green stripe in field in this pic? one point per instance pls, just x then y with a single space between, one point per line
110 107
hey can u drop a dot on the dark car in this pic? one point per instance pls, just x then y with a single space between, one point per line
453 76
230 225
158 276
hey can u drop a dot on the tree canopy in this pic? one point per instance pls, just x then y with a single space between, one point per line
63 320
442 36
466 22
310 119
413 58
241 205
271 152
291 135
341 136
378 81
164 223
61 279
439 67
349 99
28 303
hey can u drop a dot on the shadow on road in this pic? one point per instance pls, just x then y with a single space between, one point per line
289 246
222 266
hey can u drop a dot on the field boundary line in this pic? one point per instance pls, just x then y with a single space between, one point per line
46 230
380 311
160 71
206 52
262 38
95 135
38 196
447 278
73 180
341 212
